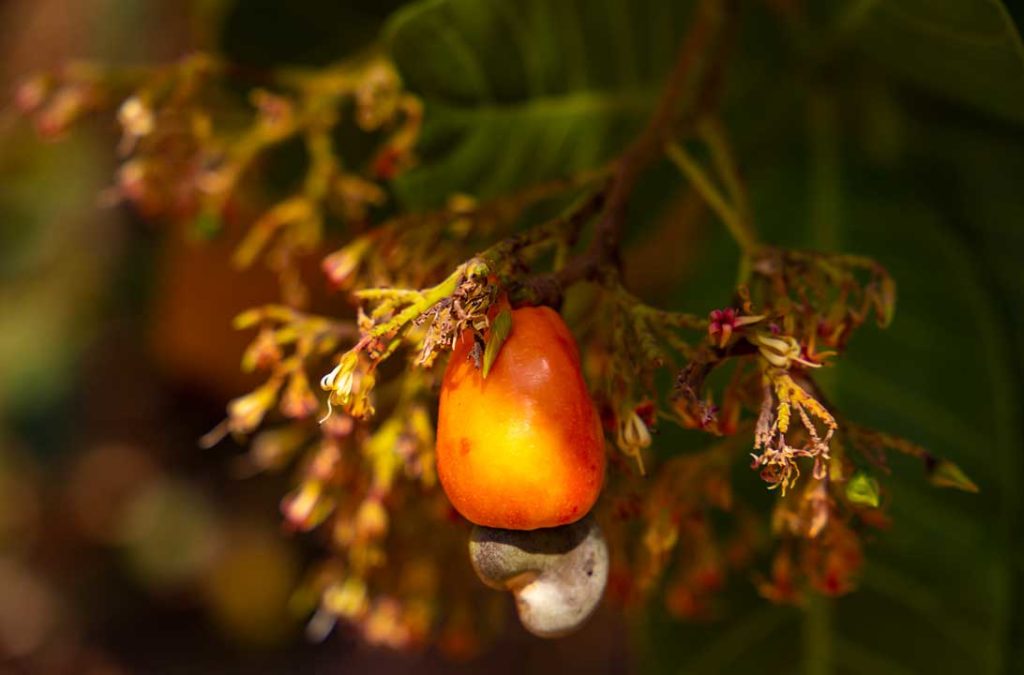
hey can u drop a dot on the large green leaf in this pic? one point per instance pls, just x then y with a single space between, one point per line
970 50
517 91
940 591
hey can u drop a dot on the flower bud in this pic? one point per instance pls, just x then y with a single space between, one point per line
298 400
305 507
246 412
347 599
633 436
340 267
371 520
31 93
262 353
137 121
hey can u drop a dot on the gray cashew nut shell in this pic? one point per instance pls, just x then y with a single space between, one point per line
557 574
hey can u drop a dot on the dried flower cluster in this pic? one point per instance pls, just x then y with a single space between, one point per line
193 153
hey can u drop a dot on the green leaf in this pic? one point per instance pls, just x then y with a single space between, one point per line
947 474
500 329
518 91
969 50
862 489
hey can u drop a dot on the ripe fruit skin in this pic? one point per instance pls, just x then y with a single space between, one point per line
522 449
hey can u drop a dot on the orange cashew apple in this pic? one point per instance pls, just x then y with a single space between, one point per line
522 448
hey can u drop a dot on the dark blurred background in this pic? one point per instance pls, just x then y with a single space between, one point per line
125 548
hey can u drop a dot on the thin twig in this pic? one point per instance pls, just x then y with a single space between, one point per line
710 193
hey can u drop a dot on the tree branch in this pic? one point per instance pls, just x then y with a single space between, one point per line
696 62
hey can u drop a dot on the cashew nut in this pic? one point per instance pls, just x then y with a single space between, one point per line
557 574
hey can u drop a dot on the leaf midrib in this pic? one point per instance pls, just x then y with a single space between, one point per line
578 103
